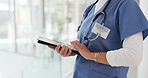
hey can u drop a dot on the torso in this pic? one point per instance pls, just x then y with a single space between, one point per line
90 69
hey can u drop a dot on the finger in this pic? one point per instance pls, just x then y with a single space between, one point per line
65 51
62 50
69 52
78 43
75 44
58 48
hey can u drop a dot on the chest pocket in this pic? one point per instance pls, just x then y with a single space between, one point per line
112 42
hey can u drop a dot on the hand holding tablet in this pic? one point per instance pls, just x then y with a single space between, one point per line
53 44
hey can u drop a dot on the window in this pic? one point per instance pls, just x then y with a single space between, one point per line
6 26
22 21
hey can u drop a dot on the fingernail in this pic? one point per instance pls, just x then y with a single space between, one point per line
71 42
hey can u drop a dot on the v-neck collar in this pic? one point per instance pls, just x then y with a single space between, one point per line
101 9
91 13
99 5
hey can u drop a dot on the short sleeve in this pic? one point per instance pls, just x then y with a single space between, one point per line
131 20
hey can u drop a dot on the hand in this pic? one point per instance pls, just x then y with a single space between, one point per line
82 49
63 50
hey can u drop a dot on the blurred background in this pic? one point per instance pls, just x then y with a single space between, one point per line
22 21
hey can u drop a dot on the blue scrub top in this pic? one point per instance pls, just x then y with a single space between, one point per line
124 18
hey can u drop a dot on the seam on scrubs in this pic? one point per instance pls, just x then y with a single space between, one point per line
109 8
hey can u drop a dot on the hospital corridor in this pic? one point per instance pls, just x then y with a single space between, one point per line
23 21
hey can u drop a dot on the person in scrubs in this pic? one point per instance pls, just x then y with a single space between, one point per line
110 39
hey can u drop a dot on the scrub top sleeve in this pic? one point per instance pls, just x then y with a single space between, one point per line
131 20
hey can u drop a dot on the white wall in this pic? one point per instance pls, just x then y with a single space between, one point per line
143 68
144 7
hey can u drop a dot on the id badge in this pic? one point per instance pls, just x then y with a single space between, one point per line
101 30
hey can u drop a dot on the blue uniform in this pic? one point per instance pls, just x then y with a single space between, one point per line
124 18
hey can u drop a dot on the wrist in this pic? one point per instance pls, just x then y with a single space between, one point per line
94 56
91 56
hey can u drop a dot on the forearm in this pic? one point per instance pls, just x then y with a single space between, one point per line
129 55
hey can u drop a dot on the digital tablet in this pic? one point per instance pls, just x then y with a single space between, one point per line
54 43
